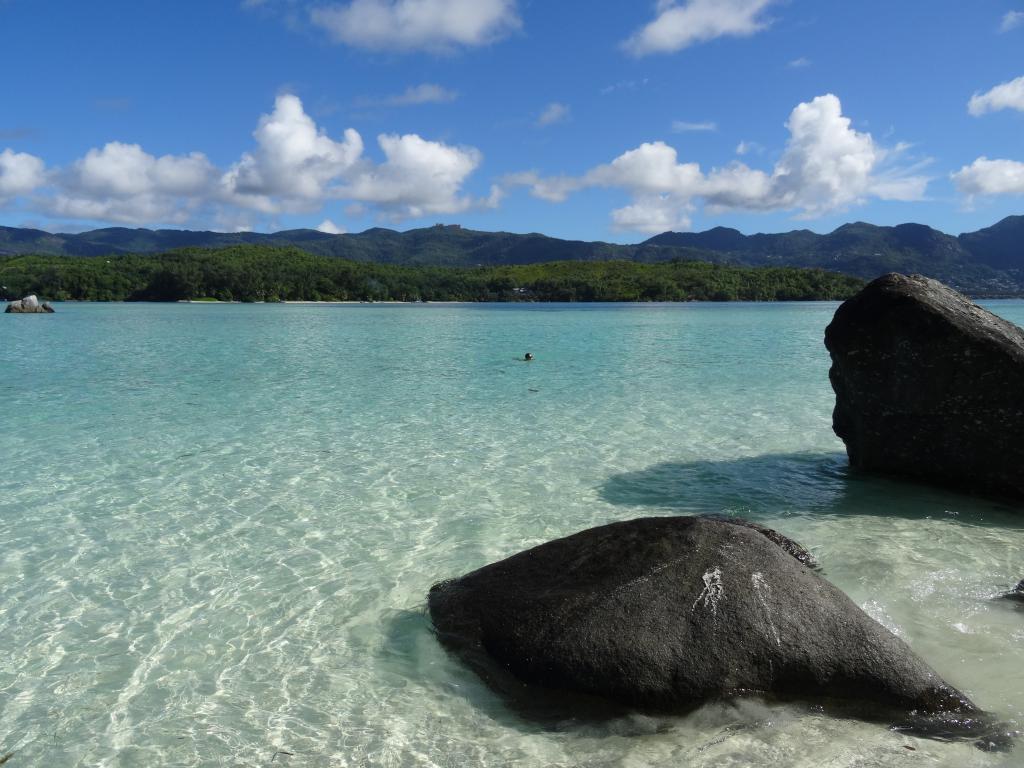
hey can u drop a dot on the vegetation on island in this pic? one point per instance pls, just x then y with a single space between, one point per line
258 273
989 262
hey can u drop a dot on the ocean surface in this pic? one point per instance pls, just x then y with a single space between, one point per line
219 523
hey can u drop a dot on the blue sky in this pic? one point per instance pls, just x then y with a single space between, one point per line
578 119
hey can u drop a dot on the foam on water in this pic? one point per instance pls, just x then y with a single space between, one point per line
219 524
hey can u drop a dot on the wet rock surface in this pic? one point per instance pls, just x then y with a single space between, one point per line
670 613
1015 595
929 386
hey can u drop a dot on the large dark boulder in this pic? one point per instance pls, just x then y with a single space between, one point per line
669 613
29 306
929 385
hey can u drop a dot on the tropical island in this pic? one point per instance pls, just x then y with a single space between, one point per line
252 273
983 263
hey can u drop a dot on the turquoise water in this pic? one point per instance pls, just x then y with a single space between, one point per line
219 524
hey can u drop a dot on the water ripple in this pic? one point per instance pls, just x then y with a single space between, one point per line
219 524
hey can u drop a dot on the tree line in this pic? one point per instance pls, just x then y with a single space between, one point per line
259 273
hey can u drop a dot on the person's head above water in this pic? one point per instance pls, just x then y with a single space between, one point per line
528 356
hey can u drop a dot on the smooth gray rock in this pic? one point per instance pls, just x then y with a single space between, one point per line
929 385
669 613
29 305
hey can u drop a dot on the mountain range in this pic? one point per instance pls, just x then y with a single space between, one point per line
989 262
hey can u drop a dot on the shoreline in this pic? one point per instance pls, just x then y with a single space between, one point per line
499 303
392 302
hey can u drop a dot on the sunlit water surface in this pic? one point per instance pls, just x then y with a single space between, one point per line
218 525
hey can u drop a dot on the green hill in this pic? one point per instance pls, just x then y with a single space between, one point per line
863 250
1000 246
261 273
988 262
433 246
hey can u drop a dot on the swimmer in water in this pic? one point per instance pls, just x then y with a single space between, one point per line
528 356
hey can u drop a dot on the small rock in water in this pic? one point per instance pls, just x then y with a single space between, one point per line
929 385
1016 595
29 305
670 613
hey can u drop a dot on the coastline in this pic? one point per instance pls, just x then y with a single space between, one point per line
301 302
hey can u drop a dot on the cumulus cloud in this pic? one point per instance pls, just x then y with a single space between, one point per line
650 169
418 178
295 167
653 215
293 164
20 173
1012 20
678 25
989 178
826 166
124 183
411 25
124 170
1004 96
554 112
986 178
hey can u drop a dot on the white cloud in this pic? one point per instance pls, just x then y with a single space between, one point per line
328 227
679 25
738 186
295 167
651 169
746 147
418 178
800 63
125 170
554 112
293 164
554 189
826 166
20 173
410 25
426 93
138 211
989 178
124 183
681 126
1004 96
497 194
1012 20
653 215
985 177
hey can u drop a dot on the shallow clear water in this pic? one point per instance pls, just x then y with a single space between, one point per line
218 525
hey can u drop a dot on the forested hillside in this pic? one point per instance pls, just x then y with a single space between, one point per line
256 273
984 263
